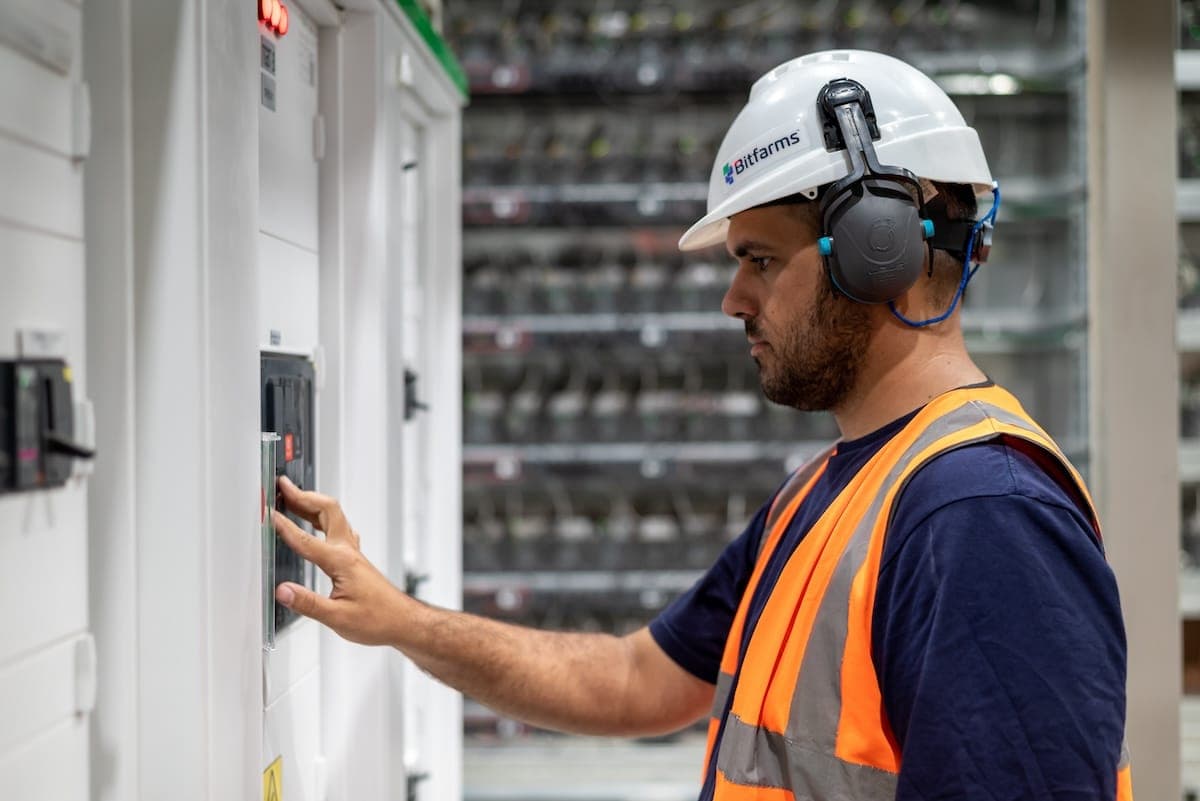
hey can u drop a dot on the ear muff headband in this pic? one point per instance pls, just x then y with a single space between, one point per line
976 248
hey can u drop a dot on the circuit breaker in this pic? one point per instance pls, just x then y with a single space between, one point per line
288 411
37 425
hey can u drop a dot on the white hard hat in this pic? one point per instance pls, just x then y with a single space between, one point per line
776 145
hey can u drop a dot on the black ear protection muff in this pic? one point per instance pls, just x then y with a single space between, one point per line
874 236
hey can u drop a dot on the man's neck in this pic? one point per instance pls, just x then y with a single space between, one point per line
900 383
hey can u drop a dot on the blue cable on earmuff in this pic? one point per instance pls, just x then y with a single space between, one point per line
968 271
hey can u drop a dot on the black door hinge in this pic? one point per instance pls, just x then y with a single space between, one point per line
412 781
411 404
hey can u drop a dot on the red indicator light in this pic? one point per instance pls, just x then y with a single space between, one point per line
289 447
275 14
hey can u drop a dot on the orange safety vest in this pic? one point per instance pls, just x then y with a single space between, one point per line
807 719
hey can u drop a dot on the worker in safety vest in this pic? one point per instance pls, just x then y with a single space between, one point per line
923 610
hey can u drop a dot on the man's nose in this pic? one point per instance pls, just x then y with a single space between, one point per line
739 300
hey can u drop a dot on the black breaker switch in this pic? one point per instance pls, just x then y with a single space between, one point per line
37 425
288 410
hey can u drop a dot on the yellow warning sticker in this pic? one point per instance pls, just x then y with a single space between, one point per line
273 781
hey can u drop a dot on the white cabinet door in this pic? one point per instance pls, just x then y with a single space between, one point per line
421 150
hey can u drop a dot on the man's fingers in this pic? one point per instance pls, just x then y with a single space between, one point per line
305 602
301 502
322 511
303 543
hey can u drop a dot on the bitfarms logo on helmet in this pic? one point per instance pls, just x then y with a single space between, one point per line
758 154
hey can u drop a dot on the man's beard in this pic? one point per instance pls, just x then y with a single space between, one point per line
814 365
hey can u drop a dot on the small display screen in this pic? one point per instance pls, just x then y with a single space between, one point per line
288 411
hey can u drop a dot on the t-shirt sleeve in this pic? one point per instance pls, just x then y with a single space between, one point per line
998 641
693 628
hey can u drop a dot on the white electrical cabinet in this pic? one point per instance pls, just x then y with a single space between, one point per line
47 656
391 176
358 184
288 339
272 214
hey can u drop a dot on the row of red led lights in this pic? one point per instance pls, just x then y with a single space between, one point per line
275 14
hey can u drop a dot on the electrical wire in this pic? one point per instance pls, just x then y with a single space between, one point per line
968 271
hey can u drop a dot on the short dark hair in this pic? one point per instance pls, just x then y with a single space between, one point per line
952 203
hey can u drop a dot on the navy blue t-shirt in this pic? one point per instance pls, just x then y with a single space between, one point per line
997 634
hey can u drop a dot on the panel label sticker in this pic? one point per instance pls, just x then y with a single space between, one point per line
268 55
273 781
268 91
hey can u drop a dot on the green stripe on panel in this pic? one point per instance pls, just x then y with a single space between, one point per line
437 44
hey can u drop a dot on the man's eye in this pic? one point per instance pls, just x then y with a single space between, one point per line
761 262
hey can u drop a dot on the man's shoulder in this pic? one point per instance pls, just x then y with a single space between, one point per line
990 469
981 481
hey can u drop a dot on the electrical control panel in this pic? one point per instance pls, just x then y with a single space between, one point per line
288 411
37 425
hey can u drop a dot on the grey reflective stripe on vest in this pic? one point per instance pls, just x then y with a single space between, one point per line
818 696
724 685
1125 758
1071 472
1005 416
794 484
804 753
805 769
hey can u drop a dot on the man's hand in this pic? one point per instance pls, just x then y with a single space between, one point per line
364 606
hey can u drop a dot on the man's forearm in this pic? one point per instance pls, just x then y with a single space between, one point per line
565 681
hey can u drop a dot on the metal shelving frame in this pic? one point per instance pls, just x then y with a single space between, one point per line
1187 197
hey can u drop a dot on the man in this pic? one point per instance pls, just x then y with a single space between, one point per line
923 611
